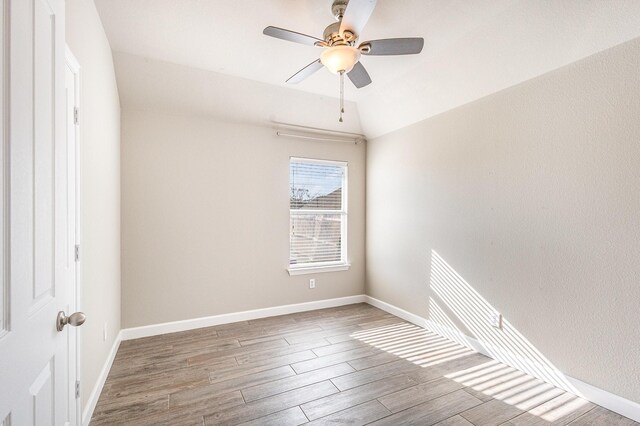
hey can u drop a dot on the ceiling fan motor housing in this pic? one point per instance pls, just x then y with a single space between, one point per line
333 37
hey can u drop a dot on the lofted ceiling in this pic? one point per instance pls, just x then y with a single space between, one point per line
472 47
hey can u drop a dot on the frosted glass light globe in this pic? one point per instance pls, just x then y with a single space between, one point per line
340 58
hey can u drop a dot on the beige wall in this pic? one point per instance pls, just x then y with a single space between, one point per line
205 219
100 180
525 202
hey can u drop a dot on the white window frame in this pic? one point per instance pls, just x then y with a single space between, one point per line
342 264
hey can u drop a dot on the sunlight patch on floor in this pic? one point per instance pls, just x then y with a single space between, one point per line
413 343
560 407
491 379
506 384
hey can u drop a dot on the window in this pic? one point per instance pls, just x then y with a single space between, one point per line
317 215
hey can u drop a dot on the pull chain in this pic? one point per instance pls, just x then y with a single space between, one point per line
341 95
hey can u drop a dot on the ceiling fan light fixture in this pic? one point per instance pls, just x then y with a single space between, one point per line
340 58
339 55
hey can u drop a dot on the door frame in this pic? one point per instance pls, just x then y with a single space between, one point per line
75 290
5 175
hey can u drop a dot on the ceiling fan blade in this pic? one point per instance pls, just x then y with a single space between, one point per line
305 72
289 35
356 15
359 76
394 46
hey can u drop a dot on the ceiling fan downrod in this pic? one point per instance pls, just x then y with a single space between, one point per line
338 8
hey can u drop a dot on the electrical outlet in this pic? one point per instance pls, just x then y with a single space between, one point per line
104 332
496 320
312 283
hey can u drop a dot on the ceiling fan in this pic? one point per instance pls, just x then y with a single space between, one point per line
342 52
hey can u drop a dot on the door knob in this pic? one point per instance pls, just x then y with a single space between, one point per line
74 319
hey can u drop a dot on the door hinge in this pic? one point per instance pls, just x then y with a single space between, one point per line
77 252
76 114
77 389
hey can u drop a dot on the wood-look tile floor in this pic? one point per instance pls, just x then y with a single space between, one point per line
348 365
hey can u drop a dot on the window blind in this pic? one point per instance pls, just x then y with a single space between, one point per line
317 212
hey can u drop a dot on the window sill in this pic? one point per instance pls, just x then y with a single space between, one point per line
318 269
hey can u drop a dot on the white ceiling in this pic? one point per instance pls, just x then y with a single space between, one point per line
472 47
152 85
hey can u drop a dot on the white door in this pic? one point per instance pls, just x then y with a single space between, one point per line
34 359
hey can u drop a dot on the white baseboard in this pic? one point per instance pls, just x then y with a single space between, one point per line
589 392
102 378
608 400
394 310
190 324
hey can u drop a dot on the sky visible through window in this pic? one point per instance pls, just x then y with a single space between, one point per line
314 180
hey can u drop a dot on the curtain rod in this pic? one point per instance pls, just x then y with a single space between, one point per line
319 138
317 129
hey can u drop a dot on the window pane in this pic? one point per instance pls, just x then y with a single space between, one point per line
315 238
315 186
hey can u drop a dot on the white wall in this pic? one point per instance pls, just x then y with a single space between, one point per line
100 180
525 202
205 218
